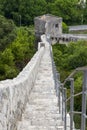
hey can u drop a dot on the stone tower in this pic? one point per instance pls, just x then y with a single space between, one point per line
49 25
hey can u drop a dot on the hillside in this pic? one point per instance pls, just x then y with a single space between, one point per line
16 48
24 11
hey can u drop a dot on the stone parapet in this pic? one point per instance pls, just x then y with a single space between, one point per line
14 94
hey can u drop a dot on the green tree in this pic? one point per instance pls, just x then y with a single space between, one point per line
23 47
30 9
65 28
17 54
7 65
27 9
7 32
71 56
7 57
68 10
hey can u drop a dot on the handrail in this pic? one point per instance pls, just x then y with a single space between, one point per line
71 98
75 95
61 90
74 72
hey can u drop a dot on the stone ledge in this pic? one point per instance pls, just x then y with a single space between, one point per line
14 94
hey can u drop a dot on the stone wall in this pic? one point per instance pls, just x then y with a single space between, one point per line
54 27
49 25
66 38
14 94
39 26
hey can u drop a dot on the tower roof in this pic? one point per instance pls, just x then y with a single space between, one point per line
48 17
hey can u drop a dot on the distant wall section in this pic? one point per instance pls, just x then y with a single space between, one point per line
49 25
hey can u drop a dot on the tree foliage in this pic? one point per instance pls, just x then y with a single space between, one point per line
68 58
26 10
17 54
65 28
7 32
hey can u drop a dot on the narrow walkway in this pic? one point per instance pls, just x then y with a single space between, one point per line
41 112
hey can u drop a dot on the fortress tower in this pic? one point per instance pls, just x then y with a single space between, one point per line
49 25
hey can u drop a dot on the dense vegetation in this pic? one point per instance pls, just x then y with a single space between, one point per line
7 32
24 11
16 44
67 58
14 57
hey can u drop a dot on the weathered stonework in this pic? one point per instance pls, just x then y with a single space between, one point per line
14 94
49 25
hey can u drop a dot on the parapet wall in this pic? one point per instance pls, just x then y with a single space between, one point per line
66 38
14 94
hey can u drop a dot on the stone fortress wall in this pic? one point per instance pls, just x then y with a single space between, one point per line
14 94
51 26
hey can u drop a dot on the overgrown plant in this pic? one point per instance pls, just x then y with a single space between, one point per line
17 54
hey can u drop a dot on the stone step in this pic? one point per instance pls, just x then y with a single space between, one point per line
42 107
43 101
45 89
42 95
42 111
43 119
29 127
40 114
56 118
40 91
43 122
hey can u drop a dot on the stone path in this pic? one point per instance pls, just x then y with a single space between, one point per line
41 112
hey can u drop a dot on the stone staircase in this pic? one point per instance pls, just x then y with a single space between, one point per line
41 111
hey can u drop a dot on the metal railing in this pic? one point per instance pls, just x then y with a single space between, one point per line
62 97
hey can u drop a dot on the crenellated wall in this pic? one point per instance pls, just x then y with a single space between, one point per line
14 94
